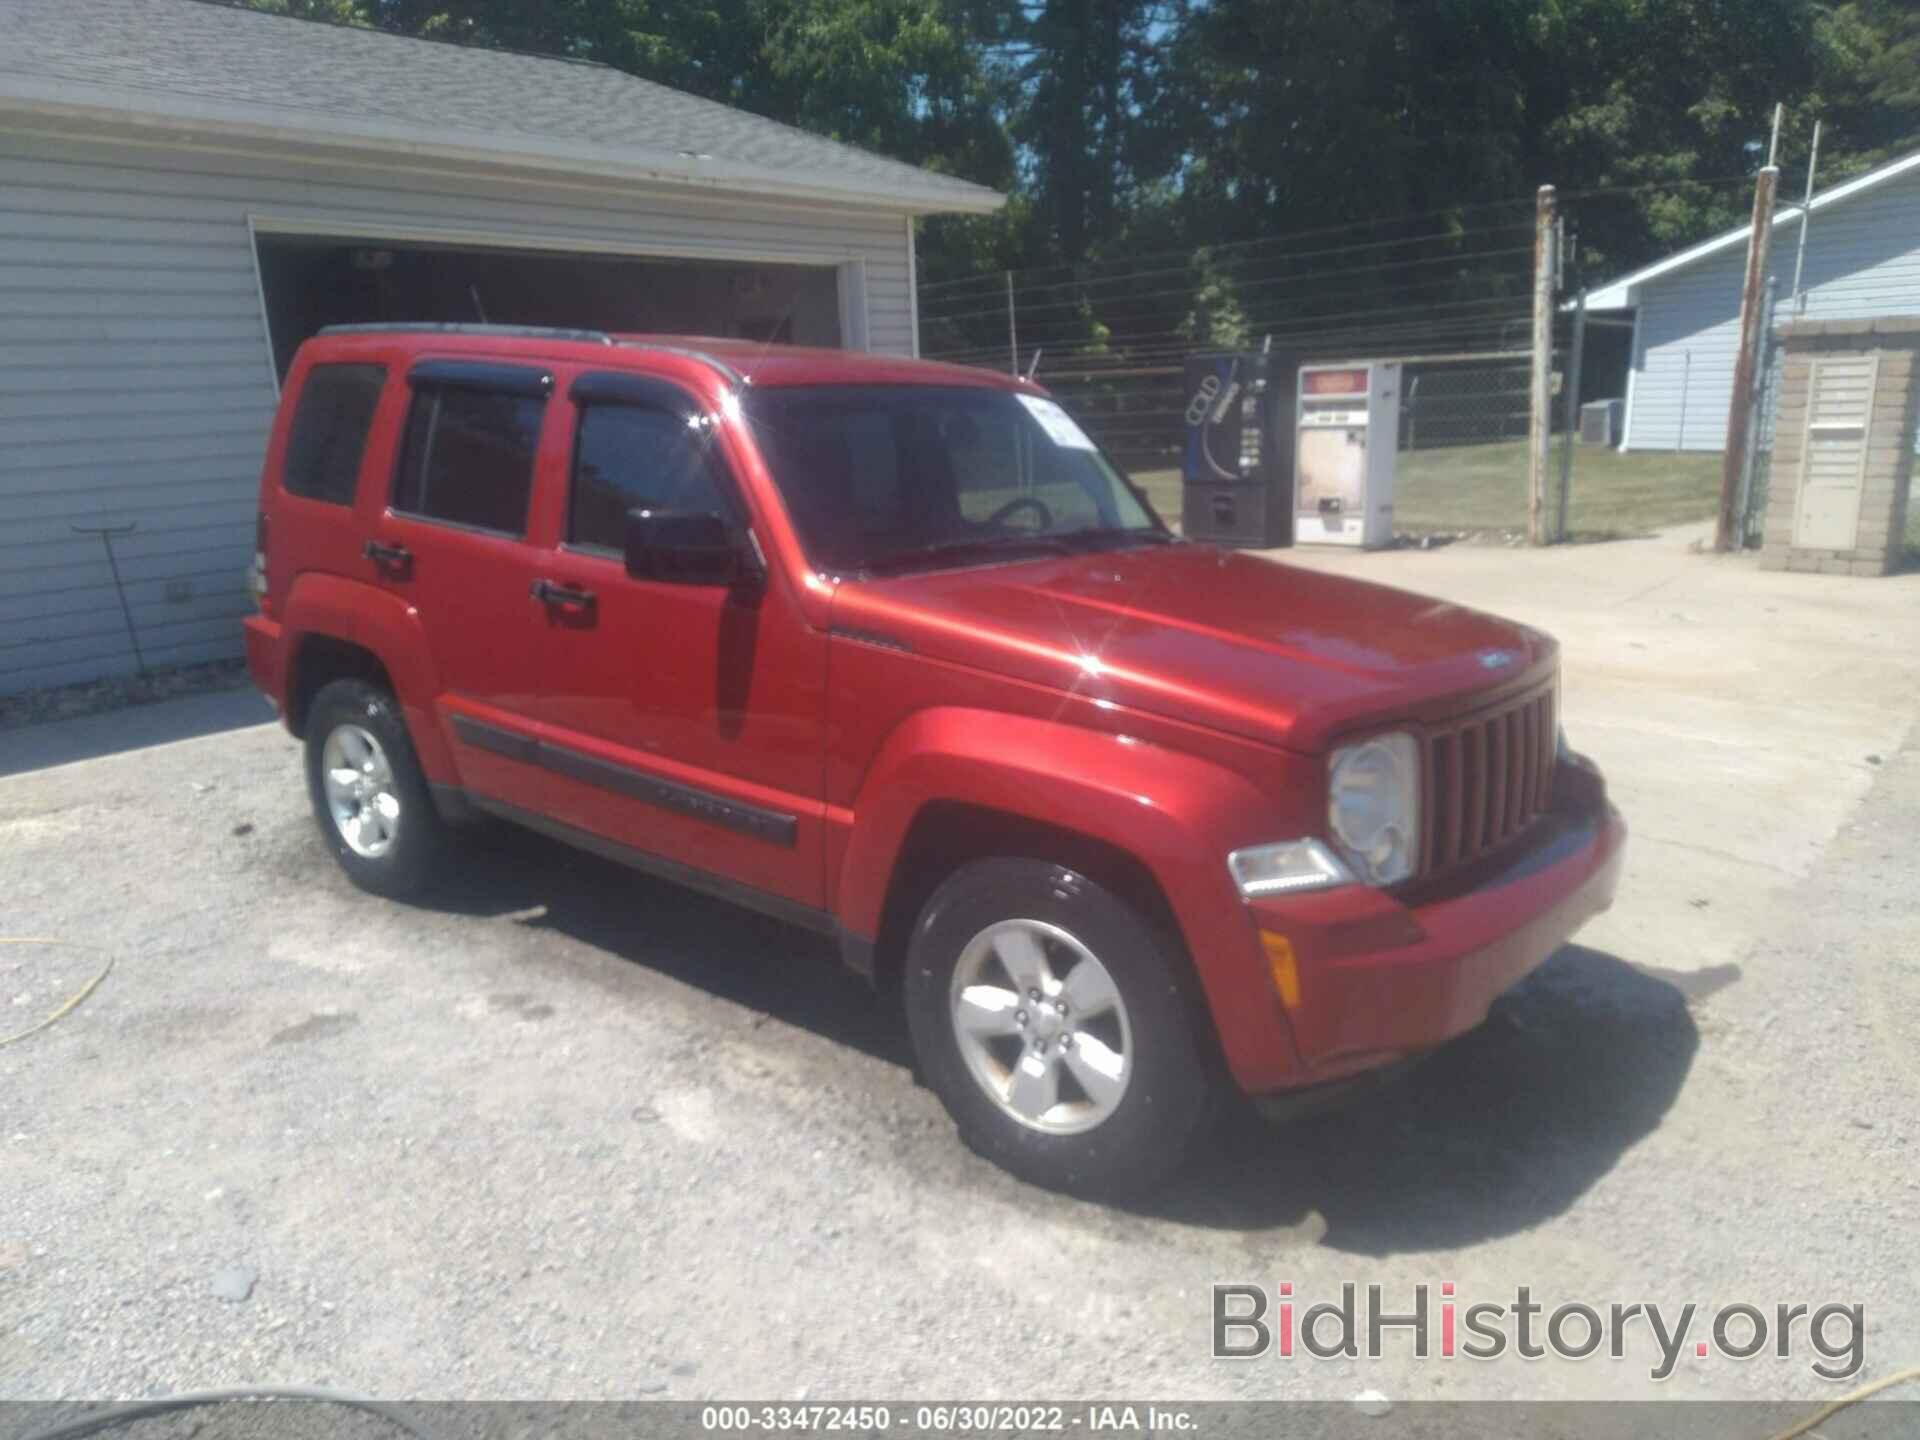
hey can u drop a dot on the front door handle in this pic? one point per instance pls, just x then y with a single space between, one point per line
555 595
394 558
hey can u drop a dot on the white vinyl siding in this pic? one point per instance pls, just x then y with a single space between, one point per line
1863 261
136 383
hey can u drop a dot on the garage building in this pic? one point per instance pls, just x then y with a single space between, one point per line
188 190
1862 262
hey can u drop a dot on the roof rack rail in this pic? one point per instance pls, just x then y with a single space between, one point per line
733 376
454 327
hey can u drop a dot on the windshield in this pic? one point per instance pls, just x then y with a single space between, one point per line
887 478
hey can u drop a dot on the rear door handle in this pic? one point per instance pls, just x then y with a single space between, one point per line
396 558
553 594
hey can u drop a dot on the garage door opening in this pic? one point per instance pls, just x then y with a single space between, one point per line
310 281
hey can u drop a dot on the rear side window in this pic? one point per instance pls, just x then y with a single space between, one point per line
468 457
632 457
329 431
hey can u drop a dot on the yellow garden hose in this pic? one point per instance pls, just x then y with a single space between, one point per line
1852 1397
72 1002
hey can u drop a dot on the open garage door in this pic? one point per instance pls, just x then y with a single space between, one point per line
311 281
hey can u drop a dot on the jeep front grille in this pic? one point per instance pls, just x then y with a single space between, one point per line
1488 777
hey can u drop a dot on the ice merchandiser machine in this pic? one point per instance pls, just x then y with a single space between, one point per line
1348 436
1236 469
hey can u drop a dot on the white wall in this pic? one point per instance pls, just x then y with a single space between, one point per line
136 384
1863 260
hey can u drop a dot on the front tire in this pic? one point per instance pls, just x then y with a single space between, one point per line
370 797
1052 1021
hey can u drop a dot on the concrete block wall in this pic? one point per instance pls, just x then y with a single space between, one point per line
1879 540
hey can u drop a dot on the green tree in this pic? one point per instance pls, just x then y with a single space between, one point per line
1130 127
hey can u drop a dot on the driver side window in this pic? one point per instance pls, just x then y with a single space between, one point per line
634 457
1005 460
987 465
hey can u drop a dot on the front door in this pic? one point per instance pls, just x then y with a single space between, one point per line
1833 463
683 720
452 542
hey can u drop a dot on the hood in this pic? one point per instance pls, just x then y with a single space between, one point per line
1212 637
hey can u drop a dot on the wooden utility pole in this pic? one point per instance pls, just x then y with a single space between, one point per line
1540 411
1733 464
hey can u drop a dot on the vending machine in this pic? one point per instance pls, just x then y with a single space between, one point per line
1236 467
1347 438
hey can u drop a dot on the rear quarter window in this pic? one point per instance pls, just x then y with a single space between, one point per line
329 432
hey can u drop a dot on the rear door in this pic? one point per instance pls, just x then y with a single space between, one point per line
683 720
452 542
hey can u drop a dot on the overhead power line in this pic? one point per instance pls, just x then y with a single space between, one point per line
1237 285
1225 249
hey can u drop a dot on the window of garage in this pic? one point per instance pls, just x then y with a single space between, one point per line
310 281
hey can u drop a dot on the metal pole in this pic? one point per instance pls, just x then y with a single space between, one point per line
1806 212
1686 383
1740 409
1013 335
1539 410
106 534
1572 412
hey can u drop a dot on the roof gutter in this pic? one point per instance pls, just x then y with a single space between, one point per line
192 118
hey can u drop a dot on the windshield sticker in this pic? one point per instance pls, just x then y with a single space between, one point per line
1056 422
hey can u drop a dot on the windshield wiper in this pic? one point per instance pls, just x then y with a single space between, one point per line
1094 536
960 551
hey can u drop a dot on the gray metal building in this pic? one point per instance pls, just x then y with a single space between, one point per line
188 190
1862 262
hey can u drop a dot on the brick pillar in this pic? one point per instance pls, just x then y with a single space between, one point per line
1878 541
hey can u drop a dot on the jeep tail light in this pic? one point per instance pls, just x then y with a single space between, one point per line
257 572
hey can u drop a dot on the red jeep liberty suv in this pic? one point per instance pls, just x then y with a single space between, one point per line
891 650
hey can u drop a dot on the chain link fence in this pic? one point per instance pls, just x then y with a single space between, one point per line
1449 299
1766 411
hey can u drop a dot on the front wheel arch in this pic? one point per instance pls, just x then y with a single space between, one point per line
947 834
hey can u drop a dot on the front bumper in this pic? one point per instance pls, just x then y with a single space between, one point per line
1381 980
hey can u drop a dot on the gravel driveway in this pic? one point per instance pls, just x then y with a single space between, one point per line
567 1131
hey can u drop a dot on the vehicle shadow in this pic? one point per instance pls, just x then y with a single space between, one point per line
752 960
1503 1128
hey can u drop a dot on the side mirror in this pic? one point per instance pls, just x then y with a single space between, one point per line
683 548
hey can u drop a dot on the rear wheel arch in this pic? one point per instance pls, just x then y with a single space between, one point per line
318 660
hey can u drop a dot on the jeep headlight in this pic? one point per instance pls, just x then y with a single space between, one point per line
1373 806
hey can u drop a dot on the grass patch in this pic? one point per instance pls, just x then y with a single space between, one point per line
1484 487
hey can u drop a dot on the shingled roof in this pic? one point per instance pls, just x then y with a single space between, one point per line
228 70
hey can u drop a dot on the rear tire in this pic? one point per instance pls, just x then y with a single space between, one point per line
1058 1028
370 797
